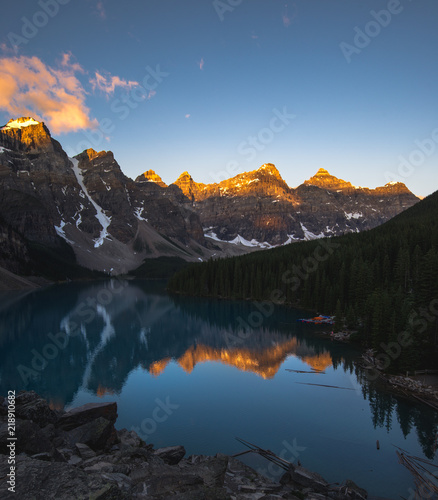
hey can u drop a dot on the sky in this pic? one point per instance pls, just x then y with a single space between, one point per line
220 87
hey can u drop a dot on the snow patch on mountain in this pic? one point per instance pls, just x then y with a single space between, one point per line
138 213
291 239
60 232
238 240
355 215
308 235
103 219
20 124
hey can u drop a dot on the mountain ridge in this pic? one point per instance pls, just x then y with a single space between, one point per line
112 223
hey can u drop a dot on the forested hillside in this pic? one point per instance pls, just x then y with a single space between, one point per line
383 282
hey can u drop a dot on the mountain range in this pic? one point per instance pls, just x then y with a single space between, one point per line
88 211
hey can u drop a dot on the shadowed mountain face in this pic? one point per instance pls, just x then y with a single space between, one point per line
113 223
109 221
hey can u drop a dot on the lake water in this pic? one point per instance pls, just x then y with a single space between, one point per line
187 371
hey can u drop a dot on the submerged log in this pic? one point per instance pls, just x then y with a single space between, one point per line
323 385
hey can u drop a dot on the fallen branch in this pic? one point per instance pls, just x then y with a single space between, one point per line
304 371
423 477
323 385
268 454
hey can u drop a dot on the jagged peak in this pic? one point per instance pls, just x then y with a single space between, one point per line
184 175
24 121
91 154
322 171
396 186
395 183
27 134
271 169
151 176
323 178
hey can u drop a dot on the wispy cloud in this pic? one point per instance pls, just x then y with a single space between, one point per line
101 12
108 84
30 87
187 115
6 49
287 16
286 20
72 67
201 64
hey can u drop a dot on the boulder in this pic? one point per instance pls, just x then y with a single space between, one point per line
98 434
31 406
32 439
171 455
213 470
85 452
130 438
84 414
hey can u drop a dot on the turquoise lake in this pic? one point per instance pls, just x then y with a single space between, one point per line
186 371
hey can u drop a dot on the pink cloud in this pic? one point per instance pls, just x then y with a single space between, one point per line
28 87
66 62
187 115
108 84
6 49
201 64
101 10
288 18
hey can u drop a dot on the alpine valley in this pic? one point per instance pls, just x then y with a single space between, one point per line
61 217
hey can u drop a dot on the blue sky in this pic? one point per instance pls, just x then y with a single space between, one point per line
221 87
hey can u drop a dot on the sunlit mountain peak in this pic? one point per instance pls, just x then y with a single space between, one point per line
151 176
22 122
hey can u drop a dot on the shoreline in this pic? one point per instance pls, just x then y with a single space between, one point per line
80 454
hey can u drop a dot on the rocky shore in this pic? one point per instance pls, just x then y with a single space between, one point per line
79 454
399 384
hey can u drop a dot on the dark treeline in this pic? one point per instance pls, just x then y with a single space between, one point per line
383 282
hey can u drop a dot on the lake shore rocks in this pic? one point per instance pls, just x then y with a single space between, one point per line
425 390
79 454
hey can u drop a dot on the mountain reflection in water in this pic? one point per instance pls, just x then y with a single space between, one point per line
106 330
135 329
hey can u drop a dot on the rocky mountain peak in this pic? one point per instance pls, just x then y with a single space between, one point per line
151 176
91 153
28 135
271 169
102 159
396 185
25 121
185 176
188 186
325 180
